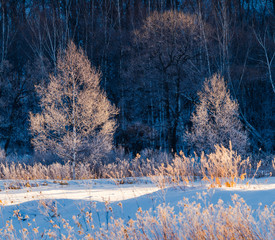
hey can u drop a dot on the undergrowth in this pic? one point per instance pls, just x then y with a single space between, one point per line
224 166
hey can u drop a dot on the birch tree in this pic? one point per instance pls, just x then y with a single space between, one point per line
77 120
216 119
269 54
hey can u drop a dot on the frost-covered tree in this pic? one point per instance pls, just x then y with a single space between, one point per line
77 120
216 119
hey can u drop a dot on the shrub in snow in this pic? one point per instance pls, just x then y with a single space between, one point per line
224 162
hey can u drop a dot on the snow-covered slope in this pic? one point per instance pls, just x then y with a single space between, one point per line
105 198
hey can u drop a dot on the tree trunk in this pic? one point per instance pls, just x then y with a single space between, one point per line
11 123
74 166
167 112
177 115
74 130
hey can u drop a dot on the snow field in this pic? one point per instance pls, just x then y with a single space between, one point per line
105 209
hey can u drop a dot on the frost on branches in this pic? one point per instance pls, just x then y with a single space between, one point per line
77 120
215 119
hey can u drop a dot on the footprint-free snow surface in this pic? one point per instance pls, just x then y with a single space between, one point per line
45 200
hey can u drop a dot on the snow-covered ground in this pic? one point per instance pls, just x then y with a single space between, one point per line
50 200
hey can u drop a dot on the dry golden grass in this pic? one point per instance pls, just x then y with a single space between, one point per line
222 167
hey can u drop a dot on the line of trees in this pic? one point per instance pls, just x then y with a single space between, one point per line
154 56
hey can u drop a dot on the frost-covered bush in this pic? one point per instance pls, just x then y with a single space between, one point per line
39 171
223 162
2 155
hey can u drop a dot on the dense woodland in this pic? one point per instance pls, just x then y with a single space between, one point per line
154 56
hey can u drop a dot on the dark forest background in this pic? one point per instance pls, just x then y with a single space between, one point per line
153 81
